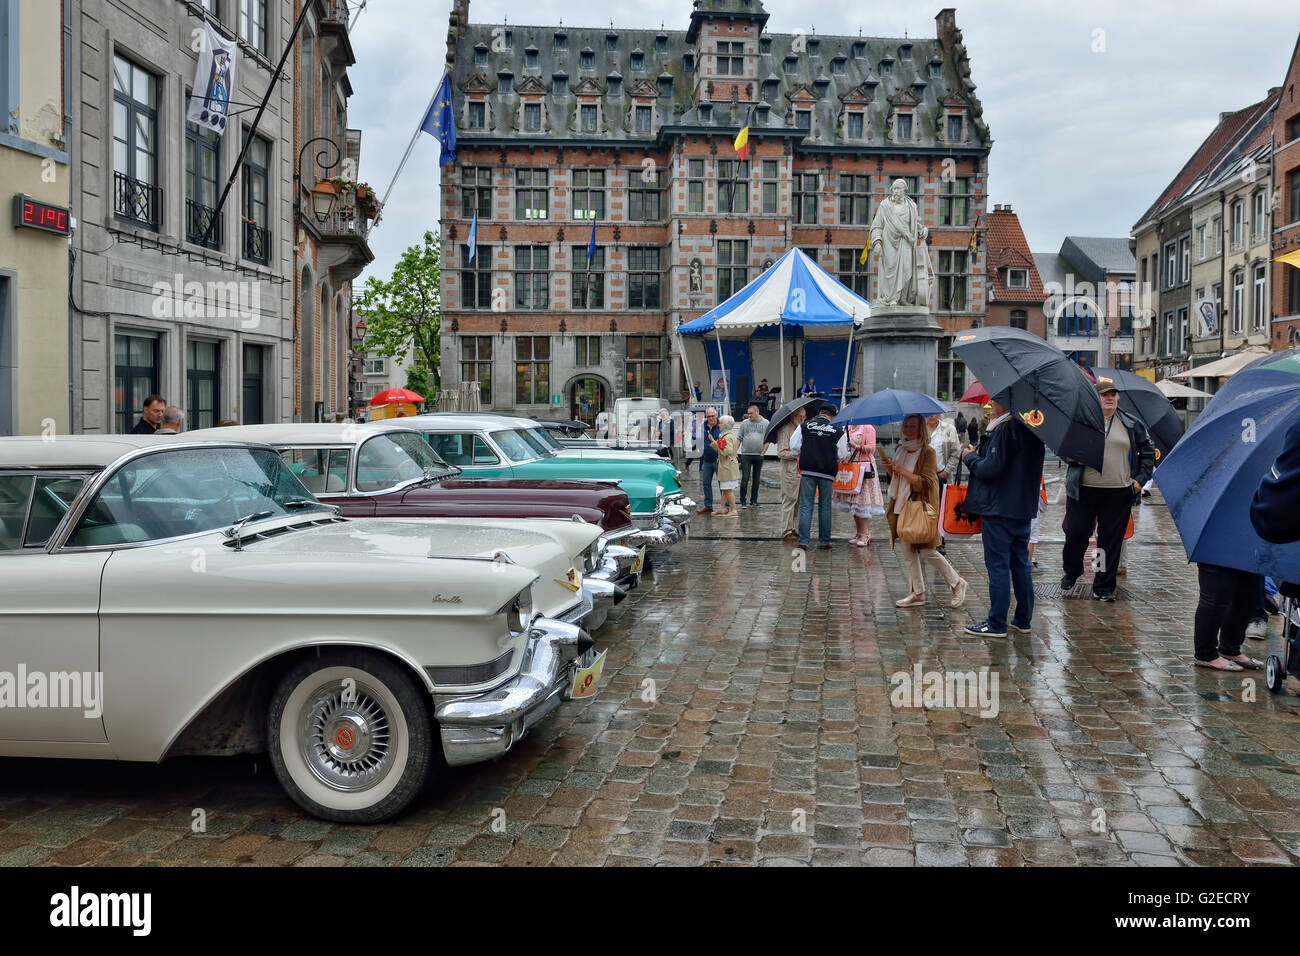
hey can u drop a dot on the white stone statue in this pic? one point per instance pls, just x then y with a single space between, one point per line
902 276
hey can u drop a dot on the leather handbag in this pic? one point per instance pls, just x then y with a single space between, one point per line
956 520
919 521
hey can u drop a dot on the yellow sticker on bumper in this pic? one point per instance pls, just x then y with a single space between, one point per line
586 678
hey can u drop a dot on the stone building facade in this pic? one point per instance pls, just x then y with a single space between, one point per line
208 325
34 366
1285 138
631 131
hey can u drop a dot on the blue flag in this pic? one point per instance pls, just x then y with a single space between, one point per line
473 237
440 122
591 246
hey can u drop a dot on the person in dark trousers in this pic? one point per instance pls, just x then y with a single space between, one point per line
1275 508
816 443
1228 598
750 433
151 416
973 430
709 458
1004 483
1103 499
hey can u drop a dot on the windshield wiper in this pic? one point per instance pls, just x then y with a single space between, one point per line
297 503
236 530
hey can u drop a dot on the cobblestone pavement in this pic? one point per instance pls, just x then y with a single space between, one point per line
747 719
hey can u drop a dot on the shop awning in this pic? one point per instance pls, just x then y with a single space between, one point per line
1172 389
1225 367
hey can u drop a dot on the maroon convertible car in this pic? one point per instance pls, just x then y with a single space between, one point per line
392 472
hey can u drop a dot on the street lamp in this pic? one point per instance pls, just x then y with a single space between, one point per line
324 194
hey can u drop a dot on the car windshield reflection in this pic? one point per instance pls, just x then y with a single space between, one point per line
167 494
518 446
387 461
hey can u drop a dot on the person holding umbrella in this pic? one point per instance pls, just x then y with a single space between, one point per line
1102 497
817 444
1004 482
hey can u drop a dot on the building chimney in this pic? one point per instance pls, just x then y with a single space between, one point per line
459 17
945 23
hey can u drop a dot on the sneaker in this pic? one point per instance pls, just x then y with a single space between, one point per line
1106 596
1067 582
1257 630
788 535
983 630
1035 567
1017 628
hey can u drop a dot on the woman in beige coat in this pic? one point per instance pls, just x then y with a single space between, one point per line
728 446
914 471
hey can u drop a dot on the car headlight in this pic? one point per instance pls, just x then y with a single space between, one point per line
519 611
591 557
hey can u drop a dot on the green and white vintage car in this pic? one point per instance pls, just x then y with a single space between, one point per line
483 444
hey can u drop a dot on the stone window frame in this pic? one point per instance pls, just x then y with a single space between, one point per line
951 268
580 182
525 184
855 190
526 277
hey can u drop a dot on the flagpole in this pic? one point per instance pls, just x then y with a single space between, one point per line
411 145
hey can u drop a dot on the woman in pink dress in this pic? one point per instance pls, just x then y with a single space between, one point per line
867 502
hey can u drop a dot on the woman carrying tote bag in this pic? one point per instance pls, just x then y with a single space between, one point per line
859 494
915 480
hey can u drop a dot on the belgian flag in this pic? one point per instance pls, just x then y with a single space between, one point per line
742 141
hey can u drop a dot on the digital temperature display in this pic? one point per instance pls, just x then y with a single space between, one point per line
31 213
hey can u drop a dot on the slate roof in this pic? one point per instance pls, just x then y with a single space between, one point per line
662 55
1093 258
1052 267
1008 248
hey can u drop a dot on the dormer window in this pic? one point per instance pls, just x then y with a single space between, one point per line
532 117
530 58
813 47
822 85
477 117
903 127
615 81
936 71
560 84
792 65
665 84
855 126
661 43
586 59
769 89
706 112
480 55
731 59
505 39
956 128
887 67
561 43
505 82
1017 278
803 119
588 117
859 50
611 42
837 66
638 60
905 51
764 44
688 62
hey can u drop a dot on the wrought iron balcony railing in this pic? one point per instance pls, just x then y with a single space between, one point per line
197 220
137 201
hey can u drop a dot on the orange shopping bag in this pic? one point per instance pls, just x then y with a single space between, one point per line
954 519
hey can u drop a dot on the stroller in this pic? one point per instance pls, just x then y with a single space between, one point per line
1275 669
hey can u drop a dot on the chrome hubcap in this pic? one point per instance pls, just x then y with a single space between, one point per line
346 737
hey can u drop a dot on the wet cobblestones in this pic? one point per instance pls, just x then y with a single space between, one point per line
746 720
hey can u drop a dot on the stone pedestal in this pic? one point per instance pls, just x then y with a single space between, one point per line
899 348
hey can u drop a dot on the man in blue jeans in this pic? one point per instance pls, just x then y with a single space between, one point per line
708 458
815 445
1004 486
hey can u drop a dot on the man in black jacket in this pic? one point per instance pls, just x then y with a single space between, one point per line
1005 478
815 444
1275 509
1103 499
150 416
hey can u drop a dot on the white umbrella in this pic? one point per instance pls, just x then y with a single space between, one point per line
1174 389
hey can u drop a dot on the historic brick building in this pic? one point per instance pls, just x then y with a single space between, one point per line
632 130
1286 207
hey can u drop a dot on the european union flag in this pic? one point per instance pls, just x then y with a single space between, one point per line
473 237
440 122
591 246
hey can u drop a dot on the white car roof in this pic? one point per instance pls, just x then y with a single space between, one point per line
293 433
74 451
453 420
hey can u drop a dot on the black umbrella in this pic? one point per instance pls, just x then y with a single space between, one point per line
789 408
1049 393
1148 404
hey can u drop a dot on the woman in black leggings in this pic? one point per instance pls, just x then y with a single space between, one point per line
1228 599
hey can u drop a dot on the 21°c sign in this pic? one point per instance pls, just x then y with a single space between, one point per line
31 213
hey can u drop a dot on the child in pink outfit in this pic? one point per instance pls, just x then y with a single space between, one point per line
868 502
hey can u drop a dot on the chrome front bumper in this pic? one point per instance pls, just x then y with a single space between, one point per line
595 600
487 725
616 564
682 499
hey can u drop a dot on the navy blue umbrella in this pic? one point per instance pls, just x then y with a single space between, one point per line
889 405
1212 474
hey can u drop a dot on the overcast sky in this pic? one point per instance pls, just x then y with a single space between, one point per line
1094 105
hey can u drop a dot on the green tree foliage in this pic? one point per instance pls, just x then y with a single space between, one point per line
404 313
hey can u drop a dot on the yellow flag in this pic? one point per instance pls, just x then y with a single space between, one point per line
866 252
1290 258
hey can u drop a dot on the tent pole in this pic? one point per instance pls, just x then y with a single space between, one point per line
780 327
722 363
848 354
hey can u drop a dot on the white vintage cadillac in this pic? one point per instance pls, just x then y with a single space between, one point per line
162 597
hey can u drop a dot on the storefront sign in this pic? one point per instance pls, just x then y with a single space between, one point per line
1121 346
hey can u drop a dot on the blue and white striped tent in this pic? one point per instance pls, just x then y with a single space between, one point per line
795 293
